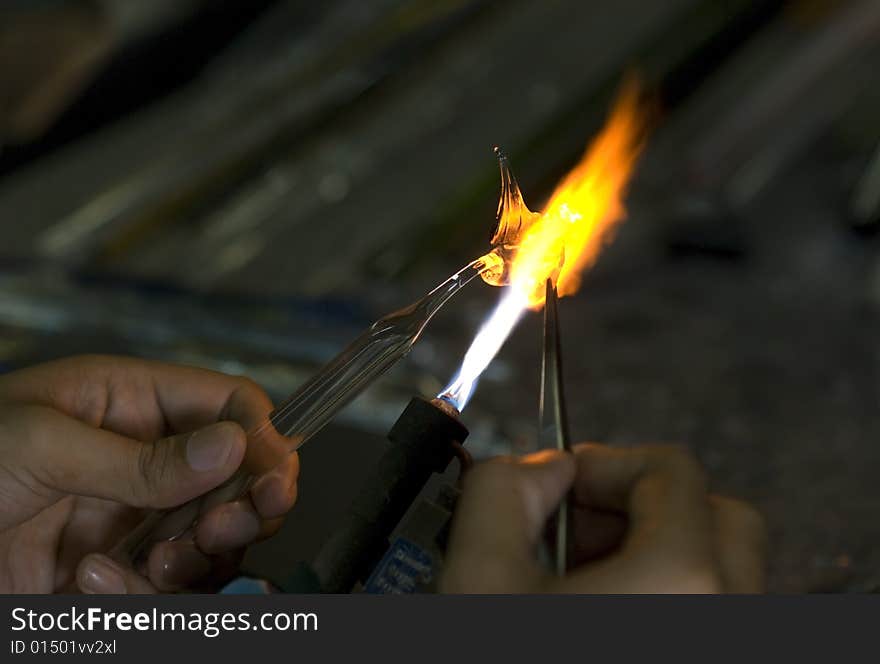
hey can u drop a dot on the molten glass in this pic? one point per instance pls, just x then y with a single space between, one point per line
512 220
565 239
559 243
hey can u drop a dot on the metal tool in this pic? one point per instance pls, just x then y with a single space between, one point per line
553 421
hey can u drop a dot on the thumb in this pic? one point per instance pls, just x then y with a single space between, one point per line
500 519
69 456
173 470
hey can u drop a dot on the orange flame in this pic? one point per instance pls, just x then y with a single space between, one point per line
560 242
579 219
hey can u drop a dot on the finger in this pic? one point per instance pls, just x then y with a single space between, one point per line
661 489
90 386
138 398
274 493
270 527
597 533
669 545
219 532
97 574
228 526
69 456
499 520
222 527
224 567
147 400
236 524
741 545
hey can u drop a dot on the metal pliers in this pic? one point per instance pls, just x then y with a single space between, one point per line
553 421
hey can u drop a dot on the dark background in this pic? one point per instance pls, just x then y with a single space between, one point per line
246 185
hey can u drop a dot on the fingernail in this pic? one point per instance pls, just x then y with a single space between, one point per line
209 448
99 577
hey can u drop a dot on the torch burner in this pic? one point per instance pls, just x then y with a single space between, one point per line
425 439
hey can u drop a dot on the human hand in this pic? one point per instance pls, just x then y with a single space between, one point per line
88 443
643 522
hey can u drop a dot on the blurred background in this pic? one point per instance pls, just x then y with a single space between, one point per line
245 185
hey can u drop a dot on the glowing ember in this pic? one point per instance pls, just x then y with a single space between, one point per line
559 243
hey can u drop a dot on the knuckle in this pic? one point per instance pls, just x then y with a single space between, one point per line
90 401
677 461
247 386
247 404
153 465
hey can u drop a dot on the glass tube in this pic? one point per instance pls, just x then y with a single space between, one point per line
308 409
